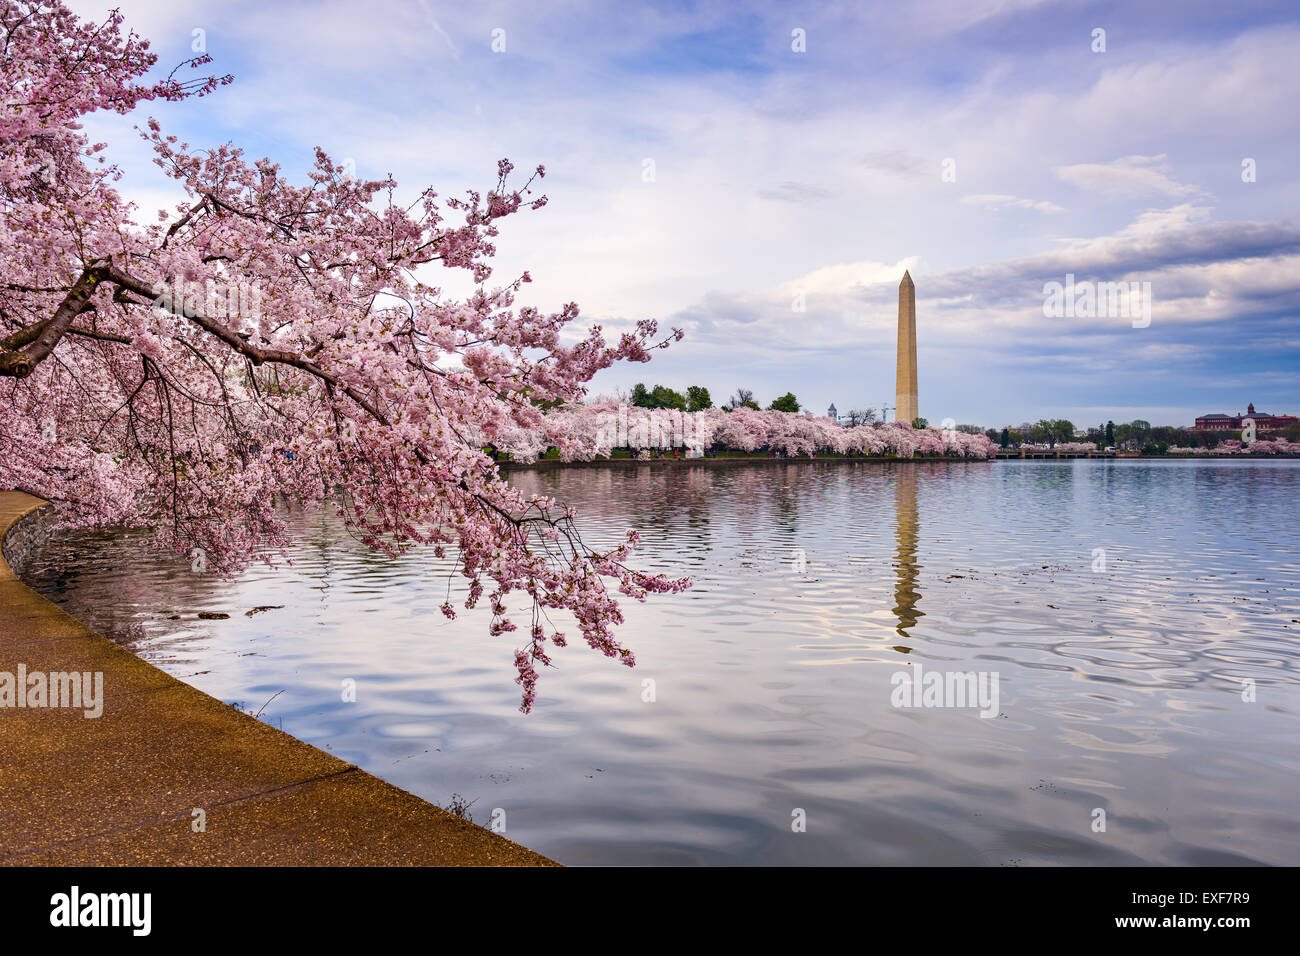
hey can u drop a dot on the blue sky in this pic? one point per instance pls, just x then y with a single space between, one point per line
818 176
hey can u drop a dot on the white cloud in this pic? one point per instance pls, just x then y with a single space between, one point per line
996 201
1130 177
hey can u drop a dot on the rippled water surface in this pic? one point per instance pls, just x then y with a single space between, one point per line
1120 671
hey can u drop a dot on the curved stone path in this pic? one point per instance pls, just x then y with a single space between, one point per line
122 788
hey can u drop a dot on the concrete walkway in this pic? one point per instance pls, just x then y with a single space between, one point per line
121 789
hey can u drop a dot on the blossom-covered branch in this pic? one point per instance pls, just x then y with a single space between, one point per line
267 338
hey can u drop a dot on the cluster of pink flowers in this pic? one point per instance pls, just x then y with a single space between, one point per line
1234 447
1276 447
583 432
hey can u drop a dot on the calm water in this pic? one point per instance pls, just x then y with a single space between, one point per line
1120 688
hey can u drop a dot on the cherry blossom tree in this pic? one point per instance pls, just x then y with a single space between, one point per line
267 338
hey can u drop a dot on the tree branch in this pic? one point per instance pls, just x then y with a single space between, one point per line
21 363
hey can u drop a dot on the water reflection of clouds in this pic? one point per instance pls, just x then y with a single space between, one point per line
774 684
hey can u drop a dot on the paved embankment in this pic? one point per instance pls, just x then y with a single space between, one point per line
122 788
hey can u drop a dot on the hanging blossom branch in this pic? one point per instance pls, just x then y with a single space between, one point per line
269 339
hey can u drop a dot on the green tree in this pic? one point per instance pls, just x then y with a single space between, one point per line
1110 434
661 396
640 397
1006 437
786 403
1167 435
920 422
697 398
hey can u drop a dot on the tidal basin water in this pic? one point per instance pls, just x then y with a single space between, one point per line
1121 671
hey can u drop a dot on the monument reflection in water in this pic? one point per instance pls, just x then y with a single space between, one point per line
907 594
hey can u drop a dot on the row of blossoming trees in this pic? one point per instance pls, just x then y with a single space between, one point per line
1232 446
584 432
1064 447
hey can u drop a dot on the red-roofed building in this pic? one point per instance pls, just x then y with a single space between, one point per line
1232 423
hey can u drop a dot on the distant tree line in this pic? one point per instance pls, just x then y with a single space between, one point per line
697 399
1137 435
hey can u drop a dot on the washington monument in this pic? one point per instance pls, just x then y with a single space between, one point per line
905 404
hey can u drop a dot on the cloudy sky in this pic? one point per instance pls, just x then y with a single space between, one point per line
716 166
